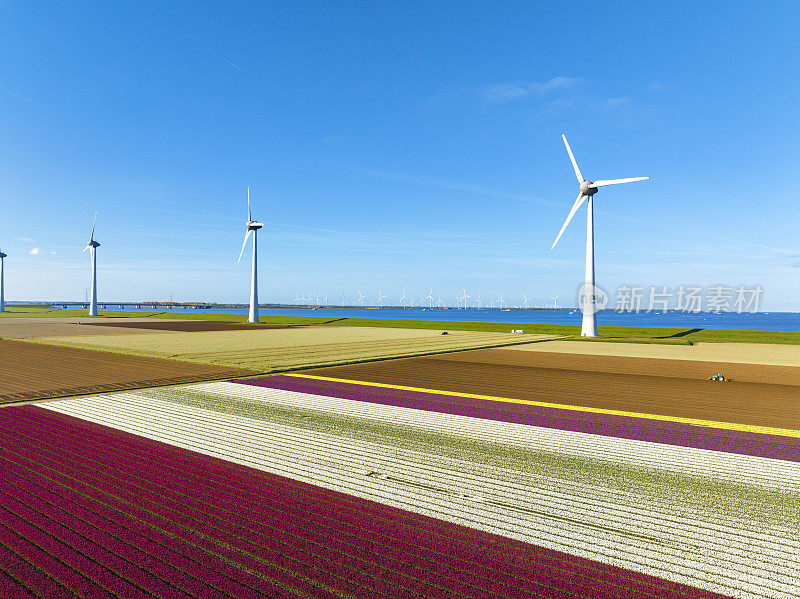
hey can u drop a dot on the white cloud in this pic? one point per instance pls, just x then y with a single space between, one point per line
617 103
504 92
36 252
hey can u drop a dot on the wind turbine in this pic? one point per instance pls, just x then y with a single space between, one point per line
326 299
430 299
403 299
2 283
587 190
92 246
380 299
555 302
463 298
478 301
525 301
252 226
360 299
501 301
297 298
439 301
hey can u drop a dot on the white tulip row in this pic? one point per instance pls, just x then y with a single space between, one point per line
713 557
761 539
767 472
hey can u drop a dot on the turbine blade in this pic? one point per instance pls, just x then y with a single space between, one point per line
86 248
94 222
572 212
249 218
572 158
246 235
604 182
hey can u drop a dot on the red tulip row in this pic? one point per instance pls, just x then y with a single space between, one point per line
102 511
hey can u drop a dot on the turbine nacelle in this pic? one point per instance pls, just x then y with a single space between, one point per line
253 225
588 188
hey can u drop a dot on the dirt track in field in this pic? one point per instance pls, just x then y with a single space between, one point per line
760 395
31 371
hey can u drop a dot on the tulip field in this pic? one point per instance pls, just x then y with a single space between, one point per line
92 511
231 489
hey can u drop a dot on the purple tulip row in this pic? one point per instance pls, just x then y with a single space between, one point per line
625 427
333 532
118 512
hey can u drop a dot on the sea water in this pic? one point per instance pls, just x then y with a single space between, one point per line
758 321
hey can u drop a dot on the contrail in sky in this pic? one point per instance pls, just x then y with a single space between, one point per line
27 99
488 191
226 60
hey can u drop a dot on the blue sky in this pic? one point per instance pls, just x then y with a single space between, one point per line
397 145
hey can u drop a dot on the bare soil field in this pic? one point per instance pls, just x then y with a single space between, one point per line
13 328
626 384
282 349
32 371
182 325
682 369
740 353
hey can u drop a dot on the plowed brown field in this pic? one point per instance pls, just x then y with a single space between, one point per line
758 395
185 325
32 371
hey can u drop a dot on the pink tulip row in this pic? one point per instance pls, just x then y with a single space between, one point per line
107 513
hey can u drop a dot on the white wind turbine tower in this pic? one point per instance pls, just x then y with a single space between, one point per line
464 297
587 190
403 299
92 246
252 226
360 299
478 301
2 282
501 301
380 299
326 299
525 301
429 297
555 302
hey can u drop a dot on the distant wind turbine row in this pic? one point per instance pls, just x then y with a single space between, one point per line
587 190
